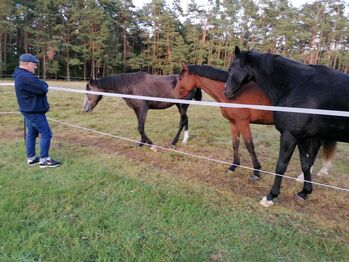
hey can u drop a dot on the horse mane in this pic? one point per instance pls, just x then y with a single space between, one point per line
123 81
266 63
209 72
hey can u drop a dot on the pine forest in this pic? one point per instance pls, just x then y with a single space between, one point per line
82 39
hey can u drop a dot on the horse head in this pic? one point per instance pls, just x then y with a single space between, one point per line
238 74
91 100
185 82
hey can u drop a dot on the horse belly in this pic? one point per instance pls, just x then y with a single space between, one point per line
303 125
334 128
159 105
261 117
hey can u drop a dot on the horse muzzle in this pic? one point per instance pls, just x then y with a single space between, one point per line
88 107
228 92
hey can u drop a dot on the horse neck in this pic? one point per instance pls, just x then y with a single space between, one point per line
112 86
213 88
277 82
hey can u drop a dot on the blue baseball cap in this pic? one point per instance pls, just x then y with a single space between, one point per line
28 58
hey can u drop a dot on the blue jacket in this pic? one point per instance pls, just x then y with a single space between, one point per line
30 91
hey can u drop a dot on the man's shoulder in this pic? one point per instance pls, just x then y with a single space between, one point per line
20 72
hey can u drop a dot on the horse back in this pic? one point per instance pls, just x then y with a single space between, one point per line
327 89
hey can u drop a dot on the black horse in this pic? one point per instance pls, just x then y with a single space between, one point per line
292 84
142 84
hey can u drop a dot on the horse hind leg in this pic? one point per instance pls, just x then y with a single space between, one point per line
326 165
141 116
329 148
246 133
308 150
183 123
300 178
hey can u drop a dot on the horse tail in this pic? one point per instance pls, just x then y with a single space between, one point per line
329 148
198 94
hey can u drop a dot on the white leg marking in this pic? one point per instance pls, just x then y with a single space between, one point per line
300 178
326 165
153 148
266 203
186 137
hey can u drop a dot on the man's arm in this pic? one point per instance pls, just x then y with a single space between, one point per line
34 85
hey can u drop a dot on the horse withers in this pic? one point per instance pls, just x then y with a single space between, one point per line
142 84
292 84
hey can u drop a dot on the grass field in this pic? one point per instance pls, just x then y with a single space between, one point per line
113 201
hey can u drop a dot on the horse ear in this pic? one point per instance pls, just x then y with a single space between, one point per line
184 66
237 50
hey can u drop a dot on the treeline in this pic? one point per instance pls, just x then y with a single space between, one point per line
94 38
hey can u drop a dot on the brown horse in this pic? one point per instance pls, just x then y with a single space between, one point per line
142 84
212 81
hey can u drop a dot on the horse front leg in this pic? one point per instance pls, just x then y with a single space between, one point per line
183 123
287 146
245 130
235 135
308 150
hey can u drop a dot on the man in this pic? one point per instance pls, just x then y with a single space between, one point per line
32 100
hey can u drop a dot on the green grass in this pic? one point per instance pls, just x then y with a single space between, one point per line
111 201
106 208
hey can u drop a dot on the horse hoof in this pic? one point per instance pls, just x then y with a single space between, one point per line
265 202
255 178
300 178
153 148
172 146
231 169
321 173
299 200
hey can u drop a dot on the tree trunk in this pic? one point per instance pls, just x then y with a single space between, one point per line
67 57
1 53
85 69
125 51
25 42
169 53
44 66
203 43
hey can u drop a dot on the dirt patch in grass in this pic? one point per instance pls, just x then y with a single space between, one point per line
328 207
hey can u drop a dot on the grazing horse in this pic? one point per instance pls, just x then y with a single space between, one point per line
292 84
212 81
142 84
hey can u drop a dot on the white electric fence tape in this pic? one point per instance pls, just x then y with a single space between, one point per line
205 103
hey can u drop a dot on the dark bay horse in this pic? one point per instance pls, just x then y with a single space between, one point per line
212 81
292 84
142 84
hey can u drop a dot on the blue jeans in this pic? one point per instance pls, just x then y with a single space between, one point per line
37 124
